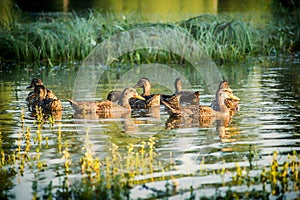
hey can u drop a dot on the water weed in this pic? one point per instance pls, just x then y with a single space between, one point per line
138 165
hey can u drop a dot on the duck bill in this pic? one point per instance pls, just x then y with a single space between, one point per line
139 97
28 87
233 97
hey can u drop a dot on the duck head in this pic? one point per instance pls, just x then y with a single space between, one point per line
145 84
222 95
40 92
224 85
130 93
35 82
178 85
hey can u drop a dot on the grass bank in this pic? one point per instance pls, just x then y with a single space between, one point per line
52 40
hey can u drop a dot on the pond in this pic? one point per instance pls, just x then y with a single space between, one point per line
268 121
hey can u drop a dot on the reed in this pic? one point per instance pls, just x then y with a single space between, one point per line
224 39
68 39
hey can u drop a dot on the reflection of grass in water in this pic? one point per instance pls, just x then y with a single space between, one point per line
116 174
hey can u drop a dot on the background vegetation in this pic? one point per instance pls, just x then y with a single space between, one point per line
52 40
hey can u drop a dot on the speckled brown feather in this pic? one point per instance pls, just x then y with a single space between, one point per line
106 108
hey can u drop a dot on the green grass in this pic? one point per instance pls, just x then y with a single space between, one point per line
70 38
223 39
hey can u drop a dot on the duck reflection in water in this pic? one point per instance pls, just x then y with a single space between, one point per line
126 123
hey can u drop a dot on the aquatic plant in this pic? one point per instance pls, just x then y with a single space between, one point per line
55 41
225 39
114 176
70 38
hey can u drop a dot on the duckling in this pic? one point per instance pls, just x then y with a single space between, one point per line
106 108
186 96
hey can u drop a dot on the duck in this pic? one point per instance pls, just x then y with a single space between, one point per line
174 108
151 100
232 104
37 81
41 100
113 96
32 97
106 108
186 96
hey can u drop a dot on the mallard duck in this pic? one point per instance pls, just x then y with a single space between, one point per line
31 97
151 100
41 100
106 108
35 82
186 96
174 107
143 83
232 104
114 96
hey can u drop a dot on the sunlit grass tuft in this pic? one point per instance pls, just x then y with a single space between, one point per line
70 38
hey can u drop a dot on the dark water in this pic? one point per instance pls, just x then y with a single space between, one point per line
268 121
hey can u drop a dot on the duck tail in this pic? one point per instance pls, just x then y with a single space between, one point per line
171 110
72 102
75 105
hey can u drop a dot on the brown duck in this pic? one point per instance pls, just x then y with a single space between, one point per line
186 96
37 81
151 100
232 104
106 108
32 97
41 100
174 107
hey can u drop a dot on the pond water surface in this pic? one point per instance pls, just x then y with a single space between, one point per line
268 121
